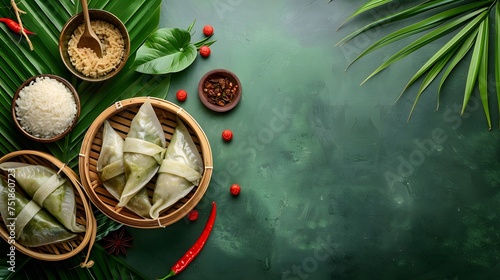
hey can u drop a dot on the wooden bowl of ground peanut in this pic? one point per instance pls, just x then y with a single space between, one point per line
83 62
45 108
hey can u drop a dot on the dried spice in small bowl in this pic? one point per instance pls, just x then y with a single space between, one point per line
220 91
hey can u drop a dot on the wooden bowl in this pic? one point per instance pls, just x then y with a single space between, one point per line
120 116
56 137
215 75
70 27
84 214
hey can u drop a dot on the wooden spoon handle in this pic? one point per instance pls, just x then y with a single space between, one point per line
85 11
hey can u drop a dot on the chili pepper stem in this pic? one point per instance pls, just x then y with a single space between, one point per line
172 273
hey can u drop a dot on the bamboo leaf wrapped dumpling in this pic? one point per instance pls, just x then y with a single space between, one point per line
49 190
143 149
33 226
180 171
112 172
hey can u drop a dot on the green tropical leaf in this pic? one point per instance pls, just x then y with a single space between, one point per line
442 17
366 7
430 37
416 10
460 54
438 65
449 47
497 52
168 50
105 267
420 26
483 68
104 225
474 65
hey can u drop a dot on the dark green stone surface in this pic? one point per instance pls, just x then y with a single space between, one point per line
336 184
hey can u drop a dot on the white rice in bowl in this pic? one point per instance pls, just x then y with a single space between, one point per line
45 108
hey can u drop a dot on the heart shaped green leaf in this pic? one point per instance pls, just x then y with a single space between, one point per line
168 50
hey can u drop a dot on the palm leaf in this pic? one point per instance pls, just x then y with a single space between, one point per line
438 65
450 46
460 54
413 11
473 15
439 32
497 51
482 40
474 66
418 27
105 267
366 7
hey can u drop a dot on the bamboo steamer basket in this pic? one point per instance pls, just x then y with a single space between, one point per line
84 214
120 116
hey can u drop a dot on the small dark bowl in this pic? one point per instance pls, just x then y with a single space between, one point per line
220 74
70 27
56 137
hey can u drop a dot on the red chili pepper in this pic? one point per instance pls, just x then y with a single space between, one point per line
196 248
14 26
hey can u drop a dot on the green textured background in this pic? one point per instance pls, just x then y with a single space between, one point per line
336 184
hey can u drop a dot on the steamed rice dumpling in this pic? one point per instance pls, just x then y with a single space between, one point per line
112 172
49 190
33 226
143 149
180 171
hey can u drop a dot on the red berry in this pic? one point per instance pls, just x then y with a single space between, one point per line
181 95
205 51
227 135
208 30
193 215
235 189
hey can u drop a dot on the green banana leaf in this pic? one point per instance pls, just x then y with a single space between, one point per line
18 63
46 19
105 267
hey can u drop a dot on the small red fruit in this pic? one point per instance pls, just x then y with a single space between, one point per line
235 189
193 215
208 30
205 51
227 135
181 95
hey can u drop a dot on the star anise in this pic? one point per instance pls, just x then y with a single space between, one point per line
117 242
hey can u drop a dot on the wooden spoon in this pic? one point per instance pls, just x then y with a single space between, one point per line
89 39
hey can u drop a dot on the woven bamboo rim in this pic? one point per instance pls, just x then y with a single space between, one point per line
120 116
84 214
